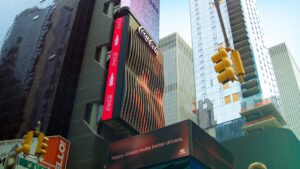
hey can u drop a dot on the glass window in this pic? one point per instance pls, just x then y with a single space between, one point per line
236 97
205 106
227 99
226 85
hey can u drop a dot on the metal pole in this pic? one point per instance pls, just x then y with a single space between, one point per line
217 4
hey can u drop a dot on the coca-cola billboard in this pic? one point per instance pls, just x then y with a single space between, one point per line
135 80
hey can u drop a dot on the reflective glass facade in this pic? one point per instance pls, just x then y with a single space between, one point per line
41 51
245 34
229 130
206 35
260 55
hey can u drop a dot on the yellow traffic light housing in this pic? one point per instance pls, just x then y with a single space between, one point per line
42 144
220 55
223 66
237 64
26 145
226 75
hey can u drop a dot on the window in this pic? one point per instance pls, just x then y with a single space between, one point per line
105 9
236 97
227 99
226 85
205 106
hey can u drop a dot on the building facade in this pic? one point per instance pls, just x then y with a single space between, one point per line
41 48
179 90
243 29
205 114
288 78
54 66
120 86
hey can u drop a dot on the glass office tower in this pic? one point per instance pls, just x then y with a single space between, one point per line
245 34
179 90
288 75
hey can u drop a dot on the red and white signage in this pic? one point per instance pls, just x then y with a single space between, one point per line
55 158
57 153
112 70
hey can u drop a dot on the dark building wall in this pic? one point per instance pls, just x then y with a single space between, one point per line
277 148
65 90
88 149
39 65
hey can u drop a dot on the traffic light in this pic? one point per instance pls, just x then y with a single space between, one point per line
26 143
42 144
223 66
237 64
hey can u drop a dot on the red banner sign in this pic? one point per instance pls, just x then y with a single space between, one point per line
112 71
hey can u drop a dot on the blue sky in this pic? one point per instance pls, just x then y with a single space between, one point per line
280 21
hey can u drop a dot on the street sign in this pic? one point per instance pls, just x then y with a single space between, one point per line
29 164
57 152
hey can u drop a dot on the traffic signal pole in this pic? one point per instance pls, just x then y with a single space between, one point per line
227 42
223 65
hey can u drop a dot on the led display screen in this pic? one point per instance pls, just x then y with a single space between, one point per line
181 140
135 82
112 71
147 12
150 148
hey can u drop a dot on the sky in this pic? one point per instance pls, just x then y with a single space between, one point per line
280 21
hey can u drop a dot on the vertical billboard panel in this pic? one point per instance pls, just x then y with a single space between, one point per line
112 71
135 83
147 12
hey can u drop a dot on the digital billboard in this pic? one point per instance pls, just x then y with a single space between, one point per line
112 71
150 148
147 12
181 140
135 81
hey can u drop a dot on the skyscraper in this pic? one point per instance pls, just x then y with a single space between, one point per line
243 29
288 78
179 79
41 48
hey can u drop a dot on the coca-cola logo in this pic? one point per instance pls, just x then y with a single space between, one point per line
148 40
